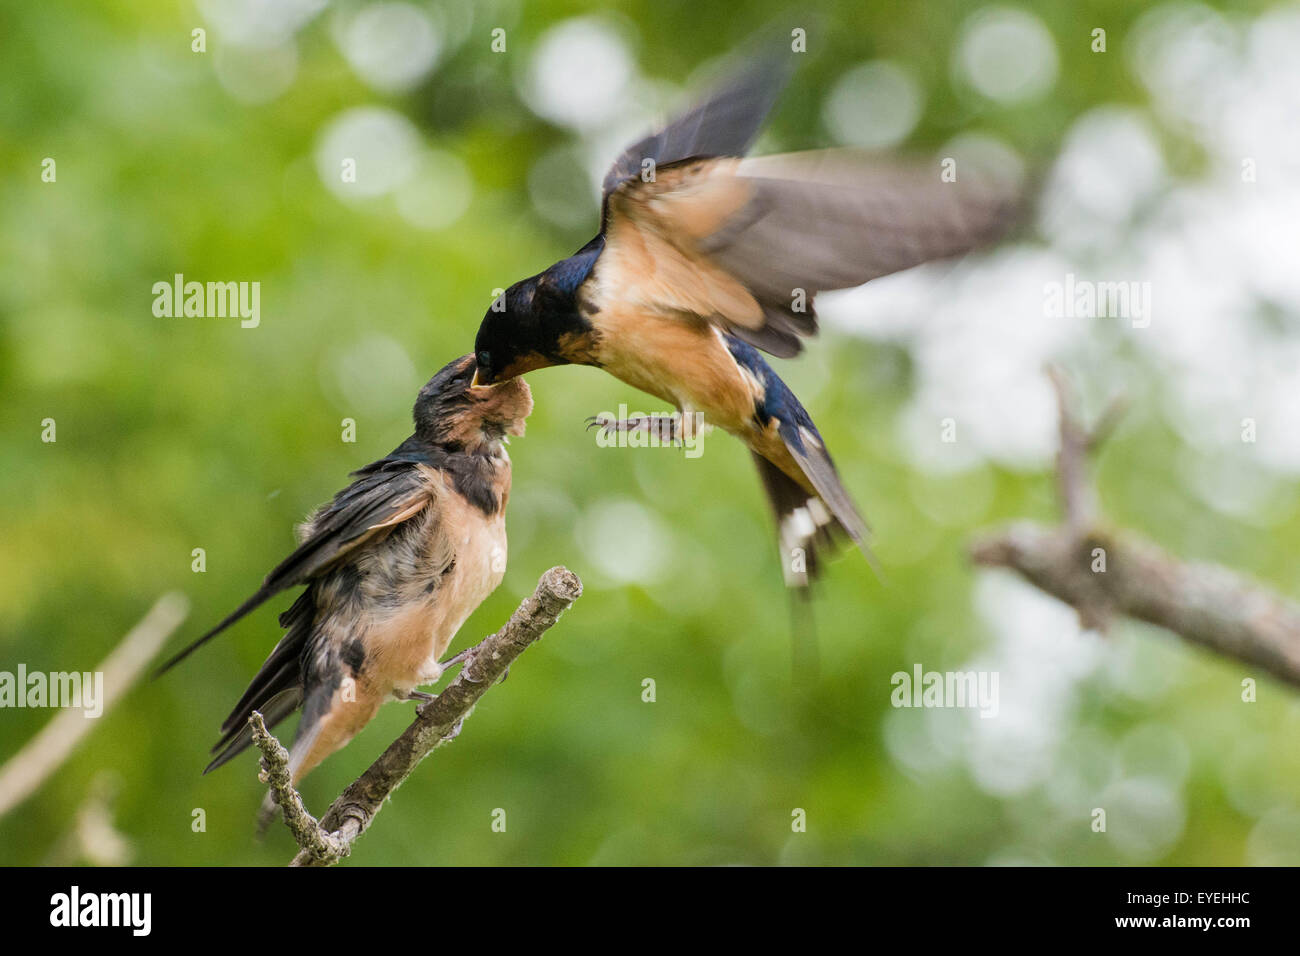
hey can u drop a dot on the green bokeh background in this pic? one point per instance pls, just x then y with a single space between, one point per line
185 433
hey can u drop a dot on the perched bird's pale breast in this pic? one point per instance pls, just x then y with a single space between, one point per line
403 648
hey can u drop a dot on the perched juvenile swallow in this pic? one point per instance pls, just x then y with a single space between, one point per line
703 258
393 567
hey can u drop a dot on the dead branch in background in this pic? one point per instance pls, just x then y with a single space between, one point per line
46 752
325 842
1103 572
93 837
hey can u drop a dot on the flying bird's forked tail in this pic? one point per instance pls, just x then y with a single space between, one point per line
811 525
816 514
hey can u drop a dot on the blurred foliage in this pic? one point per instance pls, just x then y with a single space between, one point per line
182 433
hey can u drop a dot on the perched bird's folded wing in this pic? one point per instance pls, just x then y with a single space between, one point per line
385 494
748 243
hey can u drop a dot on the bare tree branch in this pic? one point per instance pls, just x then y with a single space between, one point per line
44 753
439 720
93 837
1207 604
275 771
1103 572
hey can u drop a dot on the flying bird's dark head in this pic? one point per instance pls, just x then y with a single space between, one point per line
513 338
538 322
450 411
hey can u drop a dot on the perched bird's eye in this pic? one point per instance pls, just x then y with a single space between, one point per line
484 359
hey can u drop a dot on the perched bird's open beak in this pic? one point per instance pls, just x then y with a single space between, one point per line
478 384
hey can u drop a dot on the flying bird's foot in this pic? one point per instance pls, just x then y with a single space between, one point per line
665 429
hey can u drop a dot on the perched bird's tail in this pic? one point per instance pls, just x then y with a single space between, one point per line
263 595
276 690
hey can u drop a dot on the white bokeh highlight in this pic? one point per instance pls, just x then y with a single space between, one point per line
383 143
578 74
874 105
390 46
1007 55
259 23
438 192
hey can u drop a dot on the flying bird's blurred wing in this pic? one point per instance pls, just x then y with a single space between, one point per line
385 494
725 123
748 243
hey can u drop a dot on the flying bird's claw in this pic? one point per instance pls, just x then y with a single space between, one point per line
668 429
665 428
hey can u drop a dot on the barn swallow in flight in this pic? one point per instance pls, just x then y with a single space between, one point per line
393 567
704 258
